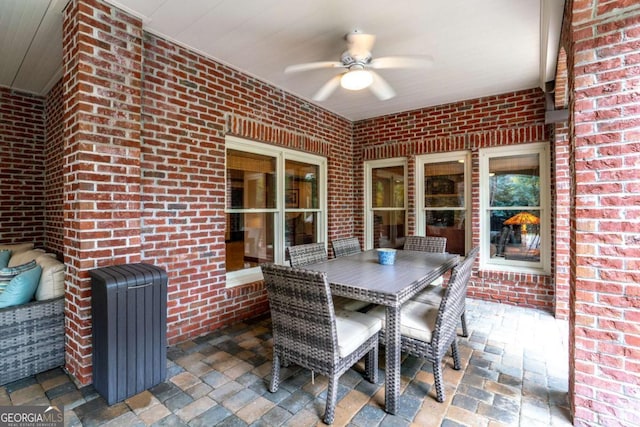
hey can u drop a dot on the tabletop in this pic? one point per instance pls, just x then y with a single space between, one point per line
360 276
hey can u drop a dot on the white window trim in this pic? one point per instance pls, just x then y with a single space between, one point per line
249 275
424 159
368 209
486 263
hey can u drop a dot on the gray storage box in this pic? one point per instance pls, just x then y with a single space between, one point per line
129 304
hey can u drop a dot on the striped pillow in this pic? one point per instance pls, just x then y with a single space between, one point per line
8 273
5 254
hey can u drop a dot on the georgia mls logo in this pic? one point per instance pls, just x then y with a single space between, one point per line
31 416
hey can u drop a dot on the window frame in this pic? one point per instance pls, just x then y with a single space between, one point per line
421 209
486 262
281 154
368 206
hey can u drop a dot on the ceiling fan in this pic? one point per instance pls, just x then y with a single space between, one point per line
360 66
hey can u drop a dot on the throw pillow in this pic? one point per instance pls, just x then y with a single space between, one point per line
17 247
25 256
9 273
5 254
52 278
21 288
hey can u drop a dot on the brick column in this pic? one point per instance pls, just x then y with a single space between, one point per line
605 275
562 193
561 223
102 71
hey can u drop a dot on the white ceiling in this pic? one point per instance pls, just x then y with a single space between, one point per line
480 47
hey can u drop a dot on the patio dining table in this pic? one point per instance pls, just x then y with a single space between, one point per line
361 277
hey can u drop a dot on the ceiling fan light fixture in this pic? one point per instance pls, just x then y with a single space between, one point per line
356 79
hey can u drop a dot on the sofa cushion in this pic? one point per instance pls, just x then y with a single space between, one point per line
18 247
5 254
21 288
26 256
52 278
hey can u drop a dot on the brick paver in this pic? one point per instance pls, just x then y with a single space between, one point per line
514 372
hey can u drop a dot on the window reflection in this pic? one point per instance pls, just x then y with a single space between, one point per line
388 187
514 199
302 185
388 210
301 228
445 204
250 185
389 229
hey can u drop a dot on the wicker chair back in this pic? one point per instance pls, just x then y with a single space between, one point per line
302 315
452 305
425 244
346 246
309 253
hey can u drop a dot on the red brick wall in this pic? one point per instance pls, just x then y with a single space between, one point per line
144 175
101 91
31 179
22 172
507 119
53 167
604 63
190 104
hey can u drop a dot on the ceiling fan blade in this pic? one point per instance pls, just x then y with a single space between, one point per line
359 45
312 66
381 88
327 89
402 62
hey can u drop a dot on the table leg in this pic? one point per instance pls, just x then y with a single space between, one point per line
392 358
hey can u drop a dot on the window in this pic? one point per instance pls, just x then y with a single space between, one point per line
443 198
274 198
514 203
386 209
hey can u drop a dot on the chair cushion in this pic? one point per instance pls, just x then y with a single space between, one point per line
438 282
21 288
431 295
5 254
344 303
52 278
417 320
353 329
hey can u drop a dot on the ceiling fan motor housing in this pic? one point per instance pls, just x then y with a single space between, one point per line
348 59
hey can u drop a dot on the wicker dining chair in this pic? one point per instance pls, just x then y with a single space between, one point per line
309 253
308 332
346 246
301 255
431 244
427 331
433 294
425 244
